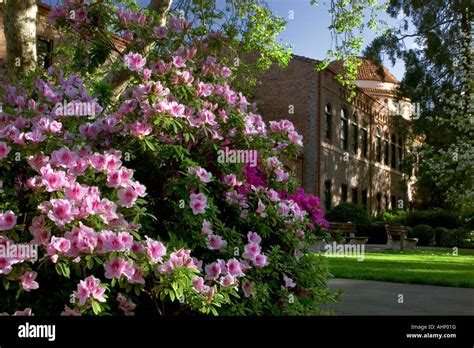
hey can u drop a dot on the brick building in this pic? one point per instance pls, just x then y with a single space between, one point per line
352 151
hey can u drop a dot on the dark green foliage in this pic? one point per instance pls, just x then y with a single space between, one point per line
348 212
433 218
424 233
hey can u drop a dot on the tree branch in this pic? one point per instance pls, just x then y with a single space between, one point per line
118 79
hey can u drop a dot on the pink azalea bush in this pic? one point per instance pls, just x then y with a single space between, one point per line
134 208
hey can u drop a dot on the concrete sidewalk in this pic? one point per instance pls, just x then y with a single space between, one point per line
367 297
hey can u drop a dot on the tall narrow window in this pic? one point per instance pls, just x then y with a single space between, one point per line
400 152
378 145
386 150
379 203
386 202
394 202
344 129
355 199
365 143
393 152
328 123
327 195
364 199
44 49
355 133
343 193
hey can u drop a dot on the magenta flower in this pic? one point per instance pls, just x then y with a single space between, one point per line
7 220
201 173
248 289
251 251
228 280
125 305
28 281
253 237
178 62
4 150
198 203
134 61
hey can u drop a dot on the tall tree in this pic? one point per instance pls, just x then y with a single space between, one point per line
20 34
437 77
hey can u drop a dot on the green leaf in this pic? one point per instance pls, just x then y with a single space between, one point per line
96 307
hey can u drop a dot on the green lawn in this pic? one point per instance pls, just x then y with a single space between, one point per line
433 267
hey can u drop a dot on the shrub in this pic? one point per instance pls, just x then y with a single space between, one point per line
424 233
391 216
433 218
210 235
439 232
348 212
460 238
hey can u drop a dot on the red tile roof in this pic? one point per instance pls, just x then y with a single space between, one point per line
367 71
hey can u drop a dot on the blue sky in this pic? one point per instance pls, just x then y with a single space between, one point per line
308 32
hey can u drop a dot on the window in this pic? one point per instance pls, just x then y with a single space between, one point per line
44 48
355 135
364 199
379 203
400 152
355 199
365 143
378 145
394 202
393 152
344 130
386 155
328 123
343 193
386 202
327 195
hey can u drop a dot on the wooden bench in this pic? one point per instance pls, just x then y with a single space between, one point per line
397 238
347 231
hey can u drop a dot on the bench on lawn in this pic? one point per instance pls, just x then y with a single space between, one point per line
347 230
397 238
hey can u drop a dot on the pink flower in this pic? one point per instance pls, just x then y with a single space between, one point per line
70 312
134 61
53 180
294 137
155 250
289 283
206 227
140 129
27 312
4 150
60 212
216 242
126 305
64 158
228 280
231 180
201 173
260 261
58 244
127 197
28 281
87 287
251 251
233 267
80 14
7 220
178 62
198 284
225 72
198 203
212 271
160 32
253 237
248 289
75 192
115 268
5 265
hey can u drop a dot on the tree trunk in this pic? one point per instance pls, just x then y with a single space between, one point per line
20 33
118 79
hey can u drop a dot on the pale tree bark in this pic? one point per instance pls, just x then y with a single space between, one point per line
118 79
19 22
